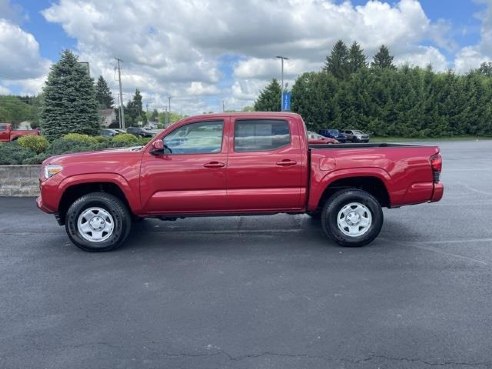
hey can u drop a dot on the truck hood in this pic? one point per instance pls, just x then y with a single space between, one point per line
108 155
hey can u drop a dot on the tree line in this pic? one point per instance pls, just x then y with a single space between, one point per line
378 97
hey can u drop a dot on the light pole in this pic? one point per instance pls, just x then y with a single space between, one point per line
282 58
169 106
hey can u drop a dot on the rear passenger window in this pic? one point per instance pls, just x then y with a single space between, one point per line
260 135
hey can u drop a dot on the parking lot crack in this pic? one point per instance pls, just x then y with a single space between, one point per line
426 362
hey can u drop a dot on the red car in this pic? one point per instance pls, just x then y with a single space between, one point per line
316 139
236 163
8 134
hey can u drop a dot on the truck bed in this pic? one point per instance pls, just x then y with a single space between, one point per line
359 145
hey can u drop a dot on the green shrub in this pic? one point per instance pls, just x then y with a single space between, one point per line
102 139
78 137
125 138
62 146
144 140
12 153
37 144
37 159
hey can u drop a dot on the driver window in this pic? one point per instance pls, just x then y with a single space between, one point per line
196 138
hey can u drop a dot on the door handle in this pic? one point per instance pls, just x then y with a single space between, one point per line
286 163
214 164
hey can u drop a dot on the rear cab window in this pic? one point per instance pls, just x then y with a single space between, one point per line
261 134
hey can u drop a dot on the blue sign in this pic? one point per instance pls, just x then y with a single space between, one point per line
286 101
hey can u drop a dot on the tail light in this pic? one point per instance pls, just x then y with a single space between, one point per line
436 165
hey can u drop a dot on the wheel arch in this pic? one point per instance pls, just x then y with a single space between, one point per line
75 191
371 184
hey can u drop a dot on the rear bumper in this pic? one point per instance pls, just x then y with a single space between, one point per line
438 192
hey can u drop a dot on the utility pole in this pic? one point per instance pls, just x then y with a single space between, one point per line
169 108
122 108
223 106
282 58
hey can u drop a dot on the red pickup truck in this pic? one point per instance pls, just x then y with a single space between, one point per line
236 164
8 134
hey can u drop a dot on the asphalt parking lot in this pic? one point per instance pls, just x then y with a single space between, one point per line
258 292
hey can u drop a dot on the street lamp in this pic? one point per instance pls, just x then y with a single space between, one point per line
282 58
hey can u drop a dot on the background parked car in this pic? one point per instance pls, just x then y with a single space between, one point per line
333 133
354 135
314 138
108 132
139 132
7 133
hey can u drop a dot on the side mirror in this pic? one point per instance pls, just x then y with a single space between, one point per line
157 147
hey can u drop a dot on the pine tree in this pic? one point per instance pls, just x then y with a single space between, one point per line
383 59
337 63
134 110
313 96
154 117
269 99
486 69
69 103
356 58
103 94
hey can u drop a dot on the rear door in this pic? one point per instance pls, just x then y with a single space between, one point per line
265 165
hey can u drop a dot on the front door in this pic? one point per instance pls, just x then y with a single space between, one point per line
191 176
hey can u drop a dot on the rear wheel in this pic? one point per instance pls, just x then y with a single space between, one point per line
98 222
352 218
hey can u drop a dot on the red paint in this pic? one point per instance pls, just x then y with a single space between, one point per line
289 178
8 134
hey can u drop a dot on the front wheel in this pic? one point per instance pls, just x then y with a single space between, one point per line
98 221
352 218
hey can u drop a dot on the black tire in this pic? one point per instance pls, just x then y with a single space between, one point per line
359 204
112 211
315 215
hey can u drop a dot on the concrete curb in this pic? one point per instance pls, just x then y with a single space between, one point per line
19 180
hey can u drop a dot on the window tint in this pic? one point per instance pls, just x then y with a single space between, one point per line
3 127
260 135
196 138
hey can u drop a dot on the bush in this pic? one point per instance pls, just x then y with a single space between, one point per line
37 159
63 146
12 153
37 144
144 140
125 138
79 138
102 139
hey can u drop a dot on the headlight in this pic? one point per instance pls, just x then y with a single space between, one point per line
51 169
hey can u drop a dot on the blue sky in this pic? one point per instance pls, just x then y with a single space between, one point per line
225 51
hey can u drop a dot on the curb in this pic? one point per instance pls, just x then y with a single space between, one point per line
19 180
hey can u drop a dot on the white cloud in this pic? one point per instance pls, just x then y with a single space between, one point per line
470 57
20 54
4 90
423 56
11 12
